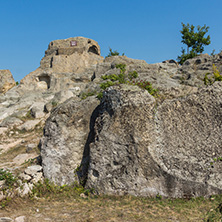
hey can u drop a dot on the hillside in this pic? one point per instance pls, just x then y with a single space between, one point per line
117 126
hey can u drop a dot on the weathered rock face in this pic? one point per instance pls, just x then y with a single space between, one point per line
145 150
66 135
73 53
130 143
119 158
194 70
63 61
6 81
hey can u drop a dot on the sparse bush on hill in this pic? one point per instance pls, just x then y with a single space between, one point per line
113 53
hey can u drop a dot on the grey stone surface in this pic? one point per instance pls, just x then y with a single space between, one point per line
141 149
37 110
30 147
193 70
33 170
25 177
11 121
65 136
20 219
5 219
29 125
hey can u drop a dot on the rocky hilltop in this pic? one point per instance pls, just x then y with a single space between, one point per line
104 130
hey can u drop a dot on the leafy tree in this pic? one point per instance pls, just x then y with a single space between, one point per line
194 40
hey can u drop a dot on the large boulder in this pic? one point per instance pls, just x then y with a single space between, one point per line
170 149
66 135
6 81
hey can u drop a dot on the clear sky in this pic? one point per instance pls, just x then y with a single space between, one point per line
142 29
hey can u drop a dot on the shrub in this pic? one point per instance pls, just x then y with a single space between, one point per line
84 95
147 86
216 76
10 180
112 53
132 75
106 84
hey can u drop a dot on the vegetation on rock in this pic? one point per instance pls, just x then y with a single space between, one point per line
9 179
216 76
129 78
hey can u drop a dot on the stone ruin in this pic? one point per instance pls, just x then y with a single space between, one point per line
64 59
67 47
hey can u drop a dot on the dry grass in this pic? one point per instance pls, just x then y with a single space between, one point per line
65 207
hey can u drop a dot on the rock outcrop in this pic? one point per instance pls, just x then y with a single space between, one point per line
194 70
138 147
143 149
66 135
129 142
6 81
63 63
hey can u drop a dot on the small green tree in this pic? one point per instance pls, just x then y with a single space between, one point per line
195 41
113 53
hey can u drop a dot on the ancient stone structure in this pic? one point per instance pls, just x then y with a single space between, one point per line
64 60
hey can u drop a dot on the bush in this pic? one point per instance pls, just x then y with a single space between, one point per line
181 59
216 76
147 86
113 53
10 180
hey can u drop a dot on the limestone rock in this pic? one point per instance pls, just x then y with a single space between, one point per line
6 81
11 121
24 190
25 177
32 170
37 110
30 147
20 219
22 158
119 157
29 125
66 135
63 61
193 70
140 149
3 130
60 50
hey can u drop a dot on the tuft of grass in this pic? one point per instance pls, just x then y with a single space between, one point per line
216 76
50 190
8 177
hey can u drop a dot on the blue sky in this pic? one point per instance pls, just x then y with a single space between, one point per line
142 29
